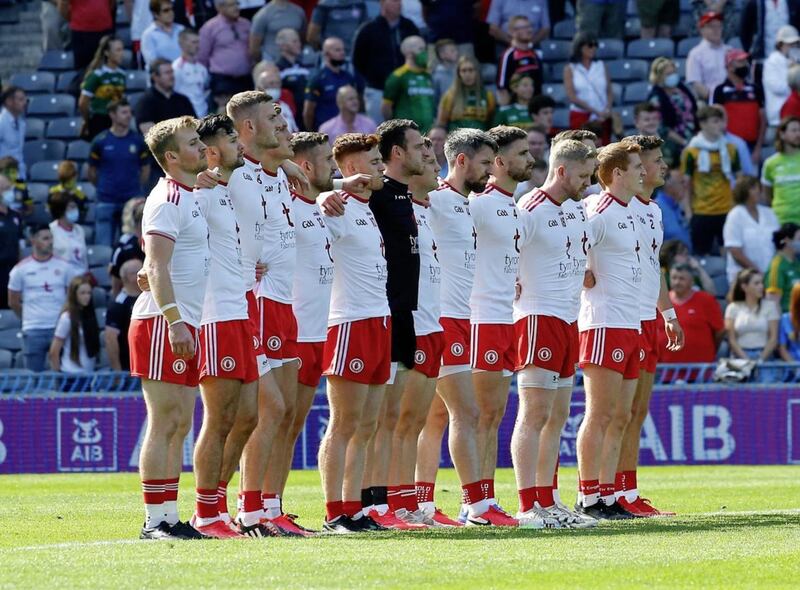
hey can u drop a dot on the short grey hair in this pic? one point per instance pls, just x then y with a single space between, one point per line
466 141
570 150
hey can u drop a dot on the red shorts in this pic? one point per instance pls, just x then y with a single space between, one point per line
548 343
278 329
456 342
492 347
648 343
612 348
360 351
227 351
310 370
428 356
151 354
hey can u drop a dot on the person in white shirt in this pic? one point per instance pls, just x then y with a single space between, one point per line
498 240
37 288
160 38
69 239
191 77
751 321
776 72
554 250
76 343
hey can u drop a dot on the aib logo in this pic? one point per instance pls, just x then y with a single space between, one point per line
87 439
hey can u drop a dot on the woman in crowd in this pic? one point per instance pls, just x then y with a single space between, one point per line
748 229
68 183
517 112
750 320
676 252
104 82
466 103
784 269
776 72
69 240
675 101
588 86
129 246
789 329
76 343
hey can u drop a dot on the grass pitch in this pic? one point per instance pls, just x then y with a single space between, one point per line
738 527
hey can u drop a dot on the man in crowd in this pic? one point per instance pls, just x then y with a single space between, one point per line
671 199
294 75
502 13
705 64
780 172
118 317
349 119
191 77
10 236
336 18
89 21
408 92
541 109
438 137
12 126
161 101
270 19
520 58
323 84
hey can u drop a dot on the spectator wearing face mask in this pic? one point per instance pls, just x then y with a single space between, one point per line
10 236
267 77
408 92
675 102
324 83
69 239
68 183
784 269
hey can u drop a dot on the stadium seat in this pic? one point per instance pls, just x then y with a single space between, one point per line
626 114
64 128
633 28
634 93
685 46
34 128
99 297
78 150
8 320
767 151
84 174
6 359
101 274
65 81
622 70
47 149
35 82
99 254
616 91
556 72
11 339
38 191
720 285
561 118
122 18
684 26
556 92
51 105
44 171
88 190
136 81
681 63
713 265
100 314
88 233
40 214
134 98
19 364
564 29
610 48
57 61
127 59
651 48
124 34
555 50
89 216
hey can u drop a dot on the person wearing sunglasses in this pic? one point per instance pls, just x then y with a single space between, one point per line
160 39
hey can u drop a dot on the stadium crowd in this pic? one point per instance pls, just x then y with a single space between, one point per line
717 80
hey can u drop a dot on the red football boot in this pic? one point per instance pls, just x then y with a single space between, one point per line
495 516
218 530
390 521
441 519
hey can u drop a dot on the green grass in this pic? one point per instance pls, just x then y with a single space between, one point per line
738 528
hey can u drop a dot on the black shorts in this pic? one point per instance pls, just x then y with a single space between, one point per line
404 341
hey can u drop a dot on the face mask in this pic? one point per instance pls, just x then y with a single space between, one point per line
421 59
9 197
337 63
742 71
72 215
672 80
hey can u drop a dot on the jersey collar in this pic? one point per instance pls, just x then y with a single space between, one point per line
498 189
348 195
546 194
303 198
180 184
623 203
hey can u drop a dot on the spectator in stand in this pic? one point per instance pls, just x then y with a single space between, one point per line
677 106
444 72
671 198
517 113
294 75
775 77
467 103
160 101
538 145
191 77
502 14
781 172
748 230
273 17
408 92
647 119
727 10
118 317
118 167
138 12
324 83
129 246
89 21
224 51
12 127
746 164
10 236
438 136
542 108
104 82
53 25
160 39
76 341
349 120
68 183
762 19
658 17
17 197
601 18
267 78
743 102
710 164
69 239
588 86
519 58
705 64
784 268
791 108
676 252
336 18
789 329
700 317
750 320
37 288
450 19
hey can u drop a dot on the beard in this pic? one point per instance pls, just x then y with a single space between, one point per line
476 186
521 175
323 185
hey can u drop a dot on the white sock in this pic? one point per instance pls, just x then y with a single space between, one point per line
201 522
226 518
250 518
608 500
171 511
153 515
429 507
478 508
272 507
557 496
590 499
630 495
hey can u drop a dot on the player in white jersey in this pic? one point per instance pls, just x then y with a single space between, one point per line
609 328
654 298
357 354
555 247
165 319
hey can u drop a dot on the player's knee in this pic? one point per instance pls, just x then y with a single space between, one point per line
365 430
533 420
620 420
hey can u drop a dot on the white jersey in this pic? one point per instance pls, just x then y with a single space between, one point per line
497 225
359 284
245 188
43 287
192 80
651 237
313 276
451 223
172 211
70 244
426 316
555 247
226 288
614 259
279 253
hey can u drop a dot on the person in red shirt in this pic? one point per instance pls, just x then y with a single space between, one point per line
791 108
89 21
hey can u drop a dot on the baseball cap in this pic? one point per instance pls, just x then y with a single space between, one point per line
734 54
708 17
787 34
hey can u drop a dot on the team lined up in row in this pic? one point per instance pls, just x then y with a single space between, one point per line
416 299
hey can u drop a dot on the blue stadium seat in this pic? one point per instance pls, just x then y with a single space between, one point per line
38 191
564 29
685 46
9 320
616 91
34 128
633 28
99 254
51 105
680 62
626 114
561 118
127 59
35 82
88 233
19 365
122 18
89 216
65 128
101 274
622 70
65 81
44 171
99 297
6 359
57 61
720 285
610 48
124 34
684 26
100 314
78 150
556 92
714 265
555 50
11 339
47 149
556 72
635 92
134 98
136 80
651 48
40 214
89 190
